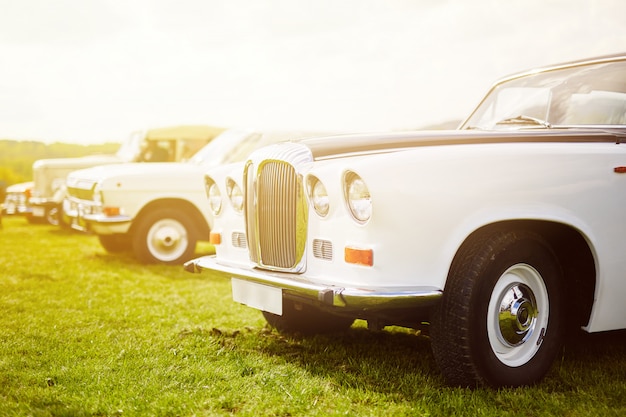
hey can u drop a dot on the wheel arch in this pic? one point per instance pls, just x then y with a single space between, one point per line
202 230
573 252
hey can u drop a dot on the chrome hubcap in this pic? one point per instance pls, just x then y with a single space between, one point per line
517 315
167 240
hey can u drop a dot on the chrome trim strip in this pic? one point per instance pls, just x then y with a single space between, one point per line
352 298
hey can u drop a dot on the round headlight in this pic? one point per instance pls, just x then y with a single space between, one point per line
357 197
235 195
214 195
97 193
318 196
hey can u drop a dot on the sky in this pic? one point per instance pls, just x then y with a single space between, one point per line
93 71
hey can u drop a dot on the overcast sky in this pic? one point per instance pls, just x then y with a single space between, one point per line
92 71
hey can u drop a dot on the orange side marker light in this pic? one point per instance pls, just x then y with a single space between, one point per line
359 256
111 211
215 238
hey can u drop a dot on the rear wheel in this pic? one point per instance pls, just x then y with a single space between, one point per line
306 319
164 236
500 320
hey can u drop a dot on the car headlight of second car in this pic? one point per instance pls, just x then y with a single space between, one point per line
214 195
97 193
357 197
235 195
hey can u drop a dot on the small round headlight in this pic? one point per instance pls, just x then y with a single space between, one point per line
235 195
318 196
97 193
357 197
214 195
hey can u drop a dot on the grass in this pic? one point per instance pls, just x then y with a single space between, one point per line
86 333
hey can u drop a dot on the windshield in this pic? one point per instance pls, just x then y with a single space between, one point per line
235 145
593 94
130 149
219 150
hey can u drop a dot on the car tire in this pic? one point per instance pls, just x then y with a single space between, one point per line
164 236
117 243
306 319
500 321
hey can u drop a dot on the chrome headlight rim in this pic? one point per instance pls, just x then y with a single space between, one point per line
97 195
214 195
235 195
318 196
357 197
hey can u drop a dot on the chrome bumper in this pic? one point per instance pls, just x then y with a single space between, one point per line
352 298
80 217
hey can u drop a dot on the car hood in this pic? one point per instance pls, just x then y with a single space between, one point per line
136 172
346 145
20 187
79 162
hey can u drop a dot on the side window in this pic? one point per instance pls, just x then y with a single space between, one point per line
156 151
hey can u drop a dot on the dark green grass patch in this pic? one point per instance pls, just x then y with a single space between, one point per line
86 333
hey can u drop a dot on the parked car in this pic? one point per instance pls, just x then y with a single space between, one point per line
495 239
158 210
171 144
16 199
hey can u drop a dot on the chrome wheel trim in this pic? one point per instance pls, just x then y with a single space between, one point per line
517 315
167 240
52 216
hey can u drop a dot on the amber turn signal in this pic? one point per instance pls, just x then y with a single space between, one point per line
359 256
111 211
215 238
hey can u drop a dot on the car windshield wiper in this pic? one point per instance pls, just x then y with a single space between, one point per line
523 119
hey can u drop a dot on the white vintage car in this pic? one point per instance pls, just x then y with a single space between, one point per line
158 210
496 238
16 199
175 143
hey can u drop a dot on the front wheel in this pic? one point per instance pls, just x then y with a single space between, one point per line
500 320
164 236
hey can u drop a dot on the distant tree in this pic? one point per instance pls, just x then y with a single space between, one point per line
17 157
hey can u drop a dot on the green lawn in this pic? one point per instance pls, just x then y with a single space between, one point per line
86 333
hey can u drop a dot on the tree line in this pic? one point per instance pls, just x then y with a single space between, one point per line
17 157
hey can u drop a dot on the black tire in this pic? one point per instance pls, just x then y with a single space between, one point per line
307 320
117 243
165 236
500 321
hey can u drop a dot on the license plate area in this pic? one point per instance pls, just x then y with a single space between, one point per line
259 296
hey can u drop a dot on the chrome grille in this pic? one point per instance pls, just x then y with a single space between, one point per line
276 214
276 211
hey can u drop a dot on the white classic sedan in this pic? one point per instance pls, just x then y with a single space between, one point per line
498 237
157 210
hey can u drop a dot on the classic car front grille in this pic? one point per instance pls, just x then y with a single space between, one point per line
276 209
276 214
